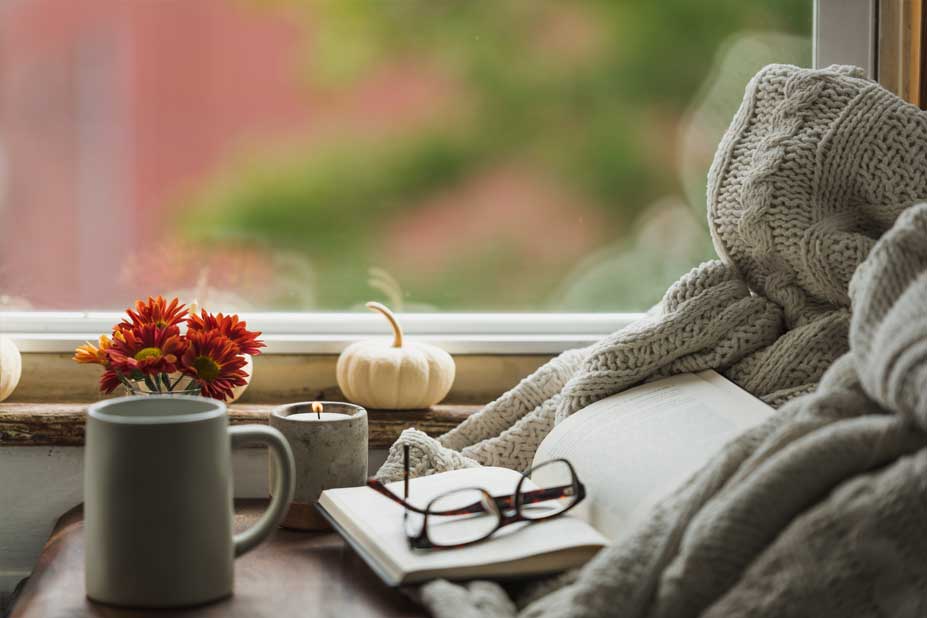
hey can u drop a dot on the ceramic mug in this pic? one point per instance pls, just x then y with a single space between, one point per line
158 500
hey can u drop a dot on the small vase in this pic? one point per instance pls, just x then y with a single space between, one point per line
141 388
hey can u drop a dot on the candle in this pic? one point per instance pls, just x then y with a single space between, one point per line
316 416
329 444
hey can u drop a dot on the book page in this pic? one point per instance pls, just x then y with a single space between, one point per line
377 522
633 448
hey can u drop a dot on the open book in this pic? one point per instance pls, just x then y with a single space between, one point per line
630 450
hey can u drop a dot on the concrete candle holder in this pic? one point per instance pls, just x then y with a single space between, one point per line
329 444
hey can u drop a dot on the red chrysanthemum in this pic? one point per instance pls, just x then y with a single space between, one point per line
146 349
236 330
156 311
214 362
109 381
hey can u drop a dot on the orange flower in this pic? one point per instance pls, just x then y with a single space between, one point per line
246 341
89 354
213 361
156 312
146 349
109 381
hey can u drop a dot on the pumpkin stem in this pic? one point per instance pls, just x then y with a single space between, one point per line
389 315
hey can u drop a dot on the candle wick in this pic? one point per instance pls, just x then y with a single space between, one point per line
317 408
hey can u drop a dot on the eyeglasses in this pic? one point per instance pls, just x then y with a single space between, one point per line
462 517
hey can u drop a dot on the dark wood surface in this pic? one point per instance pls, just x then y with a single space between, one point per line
293 574
62 424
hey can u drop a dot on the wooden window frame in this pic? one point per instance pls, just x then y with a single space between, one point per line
902 50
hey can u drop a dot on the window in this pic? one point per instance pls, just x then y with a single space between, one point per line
489 155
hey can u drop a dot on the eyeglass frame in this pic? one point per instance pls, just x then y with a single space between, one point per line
512 502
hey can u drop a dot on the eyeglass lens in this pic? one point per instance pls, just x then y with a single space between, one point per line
553 490
459 529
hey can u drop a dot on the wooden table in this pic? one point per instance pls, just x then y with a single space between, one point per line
293 574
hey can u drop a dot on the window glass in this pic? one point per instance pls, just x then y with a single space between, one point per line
480 155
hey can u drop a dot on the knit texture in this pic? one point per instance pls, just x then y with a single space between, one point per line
822 510
815 166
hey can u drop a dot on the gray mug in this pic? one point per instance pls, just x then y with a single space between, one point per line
158 500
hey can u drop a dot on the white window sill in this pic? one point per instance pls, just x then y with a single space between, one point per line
329 333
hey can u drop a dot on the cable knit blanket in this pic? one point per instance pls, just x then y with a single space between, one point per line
818 305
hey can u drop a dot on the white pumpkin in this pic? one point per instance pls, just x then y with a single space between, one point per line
401 375
11 367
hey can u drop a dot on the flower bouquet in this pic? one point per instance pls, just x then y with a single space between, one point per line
162 348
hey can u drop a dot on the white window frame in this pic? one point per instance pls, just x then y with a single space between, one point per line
845 32
329 333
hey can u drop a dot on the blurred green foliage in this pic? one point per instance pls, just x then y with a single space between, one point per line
589 93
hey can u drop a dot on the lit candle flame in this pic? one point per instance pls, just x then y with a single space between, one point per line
317 408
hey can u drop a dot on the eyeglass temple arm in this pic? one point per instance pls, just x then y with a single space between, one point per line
405 471
476 507
380 488
537 495
531 497
508 502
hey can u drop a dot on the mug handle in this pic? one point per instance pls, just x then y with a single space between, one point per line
283 483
